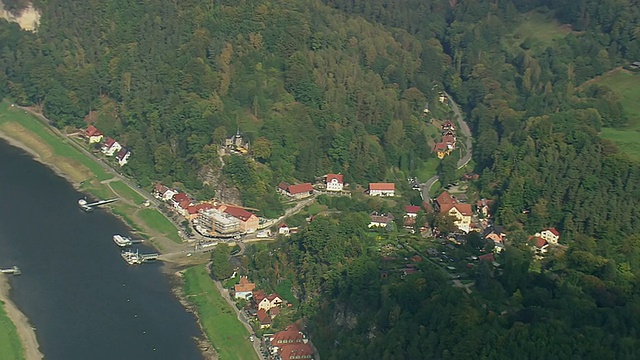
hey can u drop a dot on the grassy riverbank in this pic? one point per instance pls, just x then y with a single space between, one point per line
218 319
57 151
10 346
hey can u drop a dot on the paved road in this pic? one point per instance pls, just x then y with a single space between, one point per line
425 188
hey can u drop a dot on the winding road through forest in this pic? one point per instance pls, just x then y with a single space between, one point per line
464 129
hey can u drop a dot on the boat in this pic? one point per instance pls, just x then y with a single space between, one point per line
122 241
131 257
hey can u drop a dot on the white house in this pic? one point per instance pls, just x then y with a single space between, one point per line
123 156
283 229
244 288
335 182
552 236
382 189
110 147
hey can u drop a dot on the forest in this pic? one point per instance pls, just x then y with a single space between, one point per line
339 86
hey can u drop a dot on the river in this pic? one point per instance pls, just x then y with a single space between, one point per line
83 299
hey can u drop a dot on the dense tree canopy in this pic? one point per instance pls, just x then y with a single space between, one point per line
319 86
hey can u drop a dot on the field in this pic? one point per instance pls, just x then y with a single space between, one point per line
10 347
219 320
155 220
538 28
626 85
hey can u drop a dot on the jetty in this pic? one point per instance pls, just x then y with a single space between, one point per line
12 270
87 206
135 258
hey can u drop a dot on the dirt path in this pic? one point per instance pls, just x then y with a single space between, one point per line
25 331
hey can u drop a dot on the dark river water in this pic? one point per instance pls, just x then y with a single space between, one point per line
80 295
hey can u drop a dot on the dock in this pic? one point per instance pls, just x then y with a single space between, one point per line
12 271
87 206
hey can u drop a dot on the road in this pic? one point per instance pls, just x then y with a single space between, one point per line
425 188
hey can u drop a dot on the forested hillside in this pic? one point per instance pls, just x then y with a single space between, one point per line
322 86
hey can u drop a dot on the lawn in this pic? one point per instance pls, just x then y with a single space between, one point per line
155 220
126 192
60 146
625 84
228 336
10 346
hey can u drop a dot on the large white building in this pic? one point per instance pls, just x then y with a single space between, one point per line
218 221
382 189
335 182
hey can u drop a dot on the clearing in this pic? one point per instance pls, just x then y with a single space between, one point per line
625 84
538 28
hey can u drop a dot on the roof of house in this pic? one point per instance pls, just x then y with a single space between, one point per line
185 204
92 131
263 317
238 213
274 311
554 231
274 296
296 351
440 147
180 197
283 186
447 123
382 186
244 285
448 139
194 209
484 202
109 143
338 177
539 242
381 218
464 209
283 225
412 209
160 188
300 188
290 334
122 153
494 237
258 296
445 198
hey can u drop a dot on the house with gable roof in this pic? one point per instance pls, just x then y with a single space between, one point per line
266 302
297 191
162 192
263 318
551 235
248 221
93 134
283 229
296 352
110 147
244 288
123 156
382 189
289 336
335 182
380 220
461 212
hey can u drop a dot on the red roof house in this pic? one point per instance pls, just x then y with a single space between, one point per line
263 318
296 351
382 189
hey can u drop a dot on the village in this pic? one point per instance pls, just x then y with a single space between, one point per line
443 243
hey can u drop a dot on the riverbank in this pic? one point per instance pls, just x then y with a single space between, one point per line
87 174
27 346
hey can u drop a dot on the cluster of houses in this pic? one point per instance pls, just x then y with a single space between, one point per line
448 141
264 307
213 219
110 146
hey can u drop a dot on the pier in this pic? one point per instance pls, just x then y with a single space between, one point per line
149 257
13 271
86 206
